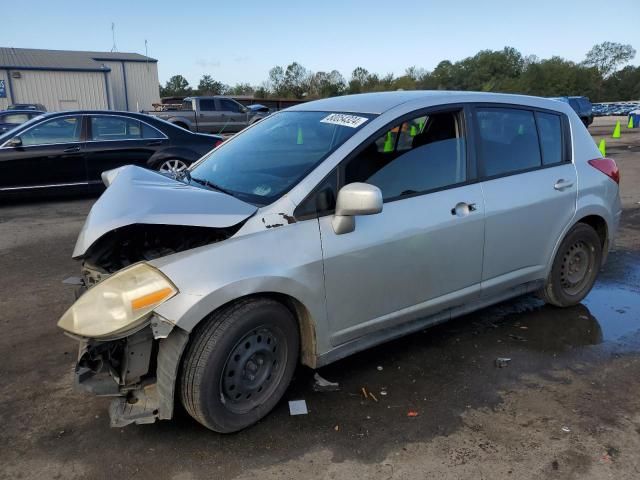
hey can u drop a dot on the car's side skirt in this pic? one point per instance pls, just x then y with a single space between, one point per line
385 335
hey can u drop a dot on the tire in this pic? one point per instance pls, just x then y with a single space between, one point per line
239 364
574 268
172 166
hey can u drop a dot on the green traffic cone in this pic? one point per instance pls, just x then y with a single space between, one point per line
630 124
603 147
616 131
300 141
388 143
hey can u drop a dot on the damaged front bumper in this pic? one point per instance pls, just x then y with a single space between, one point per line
139 371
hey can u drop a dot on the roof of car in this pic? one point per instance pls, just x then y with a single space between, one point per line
380 102
96 112
22 110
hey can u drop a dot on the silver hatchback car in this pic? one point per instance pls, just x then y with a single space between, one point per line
325 229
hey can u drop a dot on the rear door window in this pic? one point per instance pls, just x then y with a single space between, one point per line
507 140
550 130
227 105
115 128
208 105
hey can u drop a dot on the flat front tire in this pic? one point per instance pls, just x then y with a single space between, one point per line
575 267
239 364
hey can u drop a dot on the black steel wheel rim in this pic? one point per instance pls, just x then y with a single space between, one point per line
253 369
577 267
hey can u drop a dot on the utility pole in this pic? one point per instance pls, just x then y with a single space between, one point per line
113 36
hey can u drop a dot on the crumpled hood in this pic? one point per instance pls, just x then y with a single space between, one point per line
140 196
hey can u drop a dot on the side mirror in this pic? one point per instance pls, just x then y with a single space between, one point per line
355 199
14 142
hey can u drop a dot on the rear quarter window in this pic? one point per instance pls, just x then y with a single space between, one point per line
550 131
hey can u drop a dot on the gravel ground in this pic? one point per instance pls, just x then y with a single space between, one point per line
566 406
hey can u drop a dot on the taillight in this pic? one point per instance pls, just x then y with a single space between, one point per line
217 143
608 167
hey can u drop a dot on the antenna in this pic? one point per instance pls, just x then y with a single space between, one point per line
113 35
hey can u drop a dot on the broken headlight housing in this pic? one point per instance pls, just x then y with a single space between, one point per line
119 303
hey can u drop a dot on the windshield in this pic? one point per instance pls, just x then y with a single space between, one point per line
266 161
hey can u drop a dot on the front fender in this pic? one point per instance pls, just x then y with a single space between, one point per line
264 261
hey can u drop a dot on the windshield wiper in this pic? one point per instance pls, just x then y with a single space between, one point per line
211 185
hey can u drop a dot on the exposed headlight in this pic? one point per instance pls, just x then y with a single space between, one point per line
119 303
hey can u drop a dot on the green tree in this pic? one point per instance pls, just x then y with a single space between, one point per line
241 89
176 86
622 85
276 81
209 86
296 80
358 79
608 56
323 84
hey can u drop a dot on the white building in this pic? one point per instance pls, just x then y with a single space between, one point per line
68 80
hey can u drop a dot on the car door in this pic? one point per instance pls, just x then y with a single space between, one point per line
423 252
49 154
234 116
210 119
530 190
117 140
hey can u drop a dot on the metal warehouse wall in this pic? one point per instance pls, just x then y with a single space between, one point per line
142 85
5 102
141 89
60 90
116 84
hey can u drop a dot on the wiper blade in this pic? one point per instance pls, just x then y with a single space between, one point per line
211 185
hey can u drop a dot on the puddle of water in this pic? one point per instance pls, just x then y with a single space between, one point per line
609 314
616 309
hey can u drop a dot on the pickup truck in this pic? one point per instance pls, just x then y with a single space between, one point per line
209 115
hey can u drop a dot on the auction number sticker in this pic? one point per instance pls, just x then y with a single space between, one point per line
352 121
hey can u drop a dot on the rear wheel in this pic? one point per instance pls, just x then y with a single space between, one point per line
239 364
173 166
575 267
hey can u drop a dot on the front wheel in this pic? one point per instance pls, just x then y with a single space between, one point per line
574 268
239 364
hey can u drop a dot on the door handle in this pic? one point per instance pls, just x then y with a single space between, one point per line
562 184
463 209
72 149
154 142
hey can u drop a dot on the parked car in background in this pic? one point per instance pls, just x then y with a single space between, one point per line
10 119
582 106
257 107
211 115
325 229
615 108
68 151
27 106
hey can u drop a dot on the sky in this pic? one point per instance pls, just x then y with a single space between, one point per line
237 41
